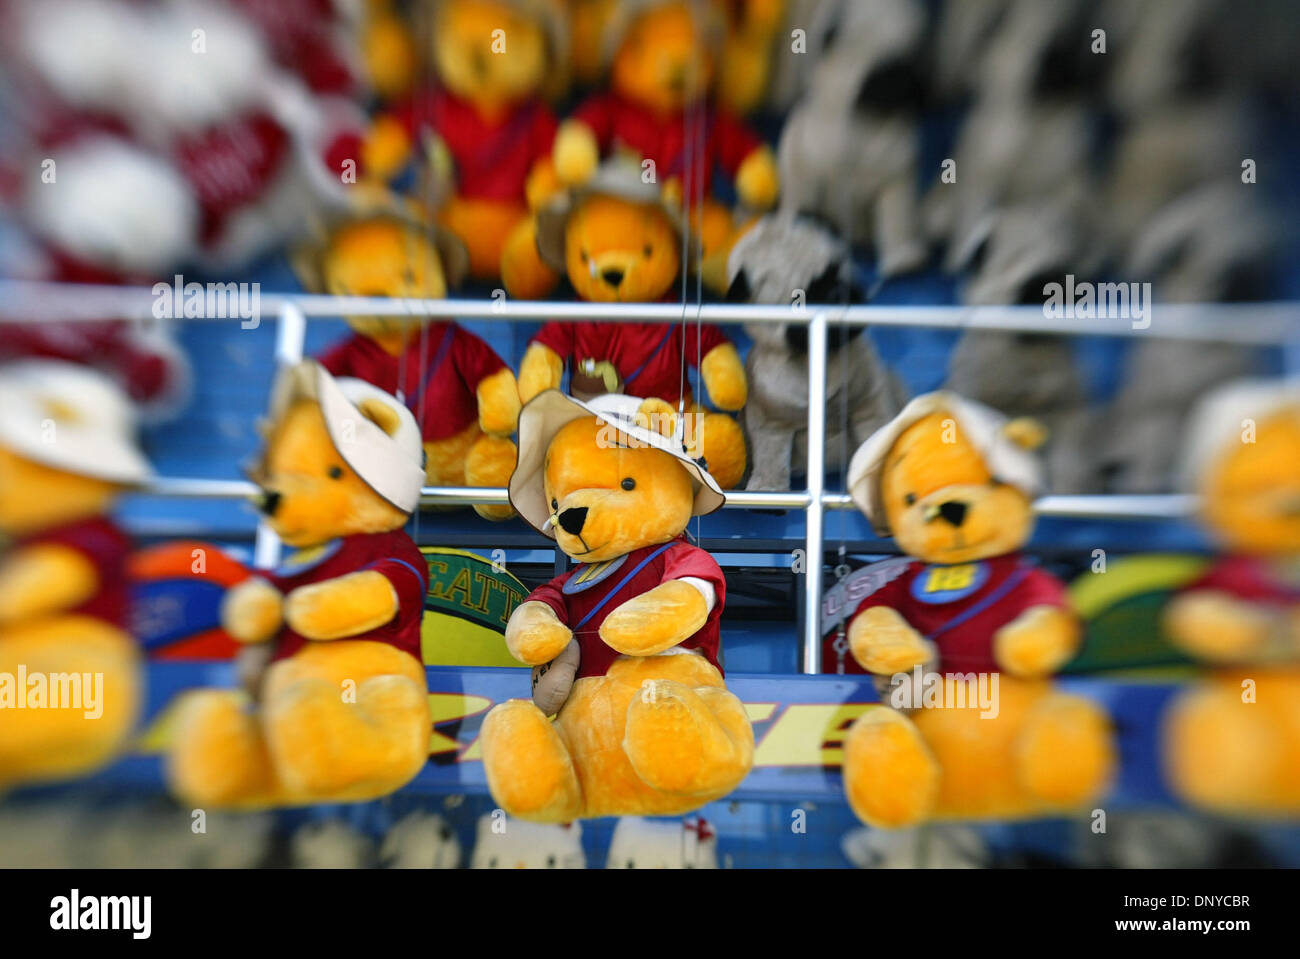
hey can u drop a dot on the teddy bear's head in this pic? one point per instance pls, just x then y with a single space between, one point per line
1242 460
952 480
664 57
618 238
606 477
67 449
384 256
342 458
499 52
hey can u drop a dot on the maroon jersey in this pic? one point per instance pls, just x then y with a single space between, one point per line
586 594
106 547
961 607
621 124
1248 578
648 356
437 374
493 157
393 554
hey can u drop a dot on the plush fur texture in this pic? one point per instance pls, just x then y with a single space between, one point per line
1044 750
659 734
609 238
302 741
1227 751
39 587
788 260
385 257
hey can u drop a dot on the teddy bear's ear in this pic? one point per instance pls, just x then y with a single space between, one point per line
381 414
1026 432
655 414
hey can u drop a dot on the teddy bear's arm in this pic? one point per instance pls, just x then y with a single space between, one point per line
44 579
656 620
542 369
724 377
1215 626
253 611
341 607
1037 642
386 149
883 642
498 403
757 180
576 152
535 635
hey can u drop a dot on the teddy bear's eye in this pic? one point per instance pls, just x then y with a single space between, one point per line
555 504
336 472
648 250
583 254
628 483
909 499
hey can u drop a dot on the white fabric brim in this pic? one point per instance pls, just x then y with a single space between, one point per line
1219 417
549 412
981 425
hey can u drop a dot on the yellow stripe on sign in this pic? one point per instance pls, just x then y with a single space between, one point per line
445 707
809 734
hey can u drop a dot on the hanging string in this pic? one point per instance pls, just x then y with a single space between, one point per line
841 642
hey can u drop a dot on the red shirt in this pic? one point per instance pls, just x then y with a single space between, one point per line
961 607
573 603
437 375
1248 578
393 554
622 124
106 547
493 157
648 356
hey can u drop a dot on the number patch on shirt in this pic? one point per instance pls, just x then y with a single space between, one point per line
947 584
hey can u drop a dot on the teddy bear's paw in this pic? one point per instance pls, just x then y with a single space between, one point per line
677 744
757 180
1222 753
1215 627
722 444
252 611
344 606
891 777
885 644
350 740
535 635
576 152
1037 642
529 771
1066 753
218 757
490 462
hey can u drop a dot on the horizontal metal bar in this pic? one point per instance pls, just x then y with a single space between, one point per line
1161 506
1250 323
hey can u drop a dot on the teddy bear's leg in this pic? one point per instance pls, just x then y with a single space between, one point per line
218 756
900 246
773 448
490 462
891 777
688 741
92 671
722 445
529 770
1225 752
1065 753
328 740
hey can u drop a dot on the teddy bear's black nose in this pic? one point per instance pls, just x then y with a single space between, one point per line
953 511
571 520
612 277
270 502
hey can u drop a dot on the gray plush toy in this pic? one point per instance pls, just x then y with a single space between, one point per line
791 260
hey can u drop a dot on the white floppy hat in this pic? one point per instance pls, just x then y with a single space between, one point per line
548 412
391 465
71 418
1219 417
983 426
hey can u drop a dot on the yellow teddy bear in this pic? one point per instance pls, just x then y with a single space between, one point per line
966 634
464 397
342 712
1232 743
620 242
625 644
66 455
